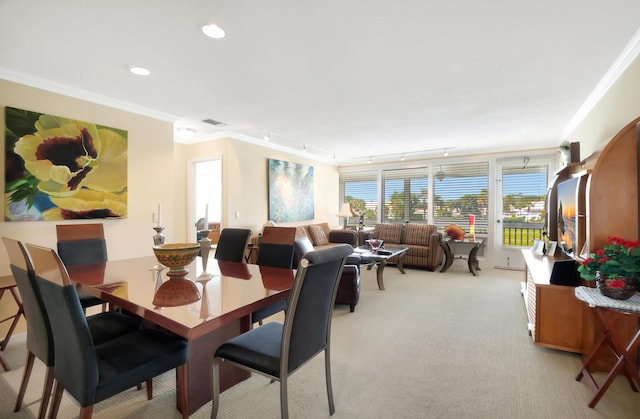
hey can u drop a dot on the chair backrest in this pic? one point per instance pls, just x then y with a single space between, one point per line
307 326
232 244
39 336
81 243
76 367
47 264
276 247
301 246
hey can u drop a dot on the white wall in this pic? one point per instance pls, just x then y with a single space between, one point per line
619 106
244 179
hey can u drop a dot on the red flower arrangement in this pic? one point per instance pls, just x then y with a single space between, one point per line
619 257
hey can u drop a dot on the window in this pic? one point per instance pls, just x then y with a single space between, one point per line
406 193
460 190
361 190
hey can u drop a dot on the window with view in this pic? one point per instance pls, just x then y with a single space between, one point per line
361 191
524 191
460 190
406 193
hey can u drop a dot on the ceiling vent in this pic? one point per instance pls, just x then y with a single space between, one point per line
213 122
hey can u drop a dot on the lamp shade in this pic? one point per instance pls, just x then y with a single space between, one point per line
346 211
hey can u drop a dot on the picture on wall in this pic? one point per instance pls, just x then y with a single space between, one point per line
290 191
62 169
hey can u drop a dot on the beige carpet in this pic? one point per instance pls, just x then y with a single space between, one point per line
431 346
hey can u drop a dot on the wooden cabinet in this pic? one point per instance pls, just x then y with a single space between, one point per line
554 314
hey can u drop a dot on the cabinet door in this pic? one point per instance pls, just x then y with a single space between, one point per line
559 318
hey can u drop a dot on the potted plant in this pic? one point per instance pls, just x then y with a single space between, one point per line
615 268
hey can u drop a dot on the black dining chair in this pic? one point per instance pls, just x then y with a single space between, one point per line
276 249
232 244
103 326
92 372
277 350
79 244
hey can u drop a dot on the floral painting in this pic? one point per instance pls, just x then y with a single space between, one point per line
290 191
61 169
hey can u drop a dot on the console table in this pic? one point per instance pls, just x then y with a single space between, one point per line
604 310
468 248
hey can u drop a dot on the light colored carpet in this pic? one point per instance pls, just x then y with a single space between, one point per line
432 345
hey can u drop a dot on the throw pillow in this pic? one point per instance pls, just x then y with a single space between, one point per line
318 236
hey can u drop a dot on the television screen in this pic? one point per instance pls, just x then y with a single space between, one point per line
570 218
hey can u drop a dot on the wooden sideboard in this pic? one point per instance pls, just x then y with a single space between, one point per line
554 314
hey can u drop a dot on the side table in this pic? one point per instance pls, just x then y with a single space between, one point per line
7 283
602 308
464 247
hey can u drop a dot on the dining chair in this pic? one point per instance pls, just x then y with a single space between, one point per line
94 371
232 244
277 350
103 326
79 244
276 249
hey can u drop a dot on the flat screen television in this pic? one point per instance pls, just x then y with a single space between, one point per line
571 214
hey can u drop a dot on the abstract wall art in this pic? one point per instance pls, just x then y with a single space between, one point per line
290 191
61 169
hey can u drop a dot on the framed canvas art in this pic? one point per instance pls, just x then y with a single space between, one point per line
60 169
290 191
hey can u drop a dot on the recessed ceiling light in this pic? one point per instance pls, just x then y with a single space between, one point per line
185 133
139 71
213 31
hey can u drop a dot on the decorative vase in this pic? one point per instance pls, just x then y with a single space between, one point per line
472 227
621 288
158 238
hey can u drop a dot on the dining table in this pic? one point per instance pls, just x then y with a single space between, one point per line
229 293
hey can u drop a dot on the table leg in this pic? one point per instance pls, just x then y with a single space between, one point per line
472 262
379 270
200 365
621 351
448 256
401 263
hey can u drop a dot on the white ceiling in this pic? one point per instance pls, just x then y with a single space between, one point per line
358 78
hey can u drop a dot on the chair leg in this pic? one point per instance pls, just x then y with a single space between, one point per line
215 397
284 402
46 393
85 412
182 389
57 397
149 389
28 366
327 371
3 362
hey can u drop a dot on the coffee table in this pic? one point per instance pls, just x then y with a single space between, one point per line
380 259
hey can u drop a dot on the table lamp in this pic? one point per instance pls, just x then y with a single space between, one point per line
346 212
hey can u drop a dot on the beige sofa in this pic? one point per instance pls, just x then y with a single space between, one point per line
423 241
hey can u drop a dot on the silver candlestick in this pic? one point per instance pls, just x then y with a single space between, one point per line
158 238
205 248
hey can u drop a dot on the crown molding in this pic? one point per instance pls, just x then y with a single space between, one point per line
624 60
81 94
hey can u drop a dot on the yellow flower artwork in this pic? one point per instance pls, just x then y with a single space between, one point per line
59 169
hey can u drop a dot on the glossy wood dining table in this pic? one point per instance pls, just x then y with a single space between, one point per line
228 298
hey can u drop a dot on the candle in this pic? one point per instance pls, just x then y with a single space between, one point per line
159 215
206 216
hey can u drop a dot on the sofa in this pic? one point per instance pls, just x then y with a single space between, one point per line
322 236
423 241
